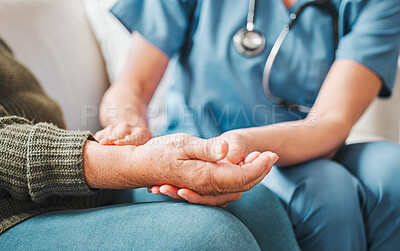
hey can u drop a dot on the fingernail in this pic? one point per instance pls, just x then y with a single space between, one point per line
154 190
276 158
183 195
162 190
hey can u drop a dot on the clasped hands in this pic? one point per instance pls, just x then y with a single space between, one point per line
212 172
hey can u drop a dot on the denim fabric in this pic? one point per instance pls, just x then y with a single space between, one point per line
349 203
159 223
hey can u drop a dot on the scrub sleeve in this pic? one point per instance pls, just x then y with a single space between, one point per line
164 24
371 37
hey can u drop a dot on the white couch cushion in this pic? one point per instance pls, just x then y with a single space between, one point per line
381 120
55 41
115 42
113 38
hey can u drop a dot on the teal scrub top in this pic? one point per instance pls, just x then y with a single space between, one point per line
215 89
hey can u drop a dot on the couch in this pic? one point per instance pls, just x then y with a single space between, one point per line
76 49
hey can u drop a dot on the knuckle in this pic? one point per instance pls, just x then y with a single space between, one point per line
203 150
177 146
124 125
143 134
114 136
182 138
142 130
130 137
179 141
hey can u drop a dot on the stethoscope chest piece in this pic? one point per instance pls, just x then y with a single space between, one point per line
249 42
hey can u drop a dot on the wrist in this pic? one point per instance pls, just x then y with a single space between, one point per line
110 167
123 104
89 163
248 138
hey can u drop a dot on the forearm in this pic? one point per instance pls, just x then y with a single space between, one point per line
112 167
297 141
123 102
346 93
129 96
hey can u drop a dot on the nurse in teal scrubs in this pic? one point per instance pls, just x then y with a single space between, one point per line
338 197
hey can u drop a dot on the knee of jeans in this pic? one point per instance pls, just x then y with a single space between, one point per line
327 193
216 229
381 172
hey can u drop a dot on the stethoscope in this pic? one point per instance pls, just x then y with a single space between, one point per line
250 43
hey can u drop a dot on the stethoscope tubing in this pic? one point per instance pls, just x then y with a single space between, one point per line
278 44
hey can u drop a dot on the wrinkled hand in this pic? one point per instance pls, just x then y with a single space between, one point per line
123 134
191 163
221 200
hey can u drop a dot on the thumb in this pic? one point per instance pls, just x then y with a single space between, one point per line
210 150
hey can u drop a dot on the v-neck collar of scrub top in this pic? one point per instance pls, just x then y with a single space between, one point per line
226 76
225 90
290 8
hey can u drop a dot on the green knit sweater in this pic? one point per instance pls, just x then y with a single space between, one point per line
40 164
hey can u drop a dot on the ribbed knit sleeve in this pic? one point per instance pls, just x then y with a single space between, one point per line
41 166
41 160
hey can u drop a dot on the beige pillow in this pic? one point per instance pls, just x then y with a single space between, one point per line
381 121
113 38
54 40
115 42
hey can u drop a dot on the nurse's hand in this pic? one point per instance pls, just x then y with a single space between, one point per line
220 200
238 146
123 134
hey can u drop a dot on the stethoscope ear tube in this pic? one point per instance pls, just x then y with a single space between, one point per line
267 72
326 4
278 43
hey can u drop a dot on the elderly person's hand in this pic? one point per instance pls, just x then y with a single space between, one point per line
237 154
178 160
220 200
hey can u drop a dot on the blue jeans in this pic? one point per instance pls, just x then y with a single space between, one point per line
141 221
349 203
